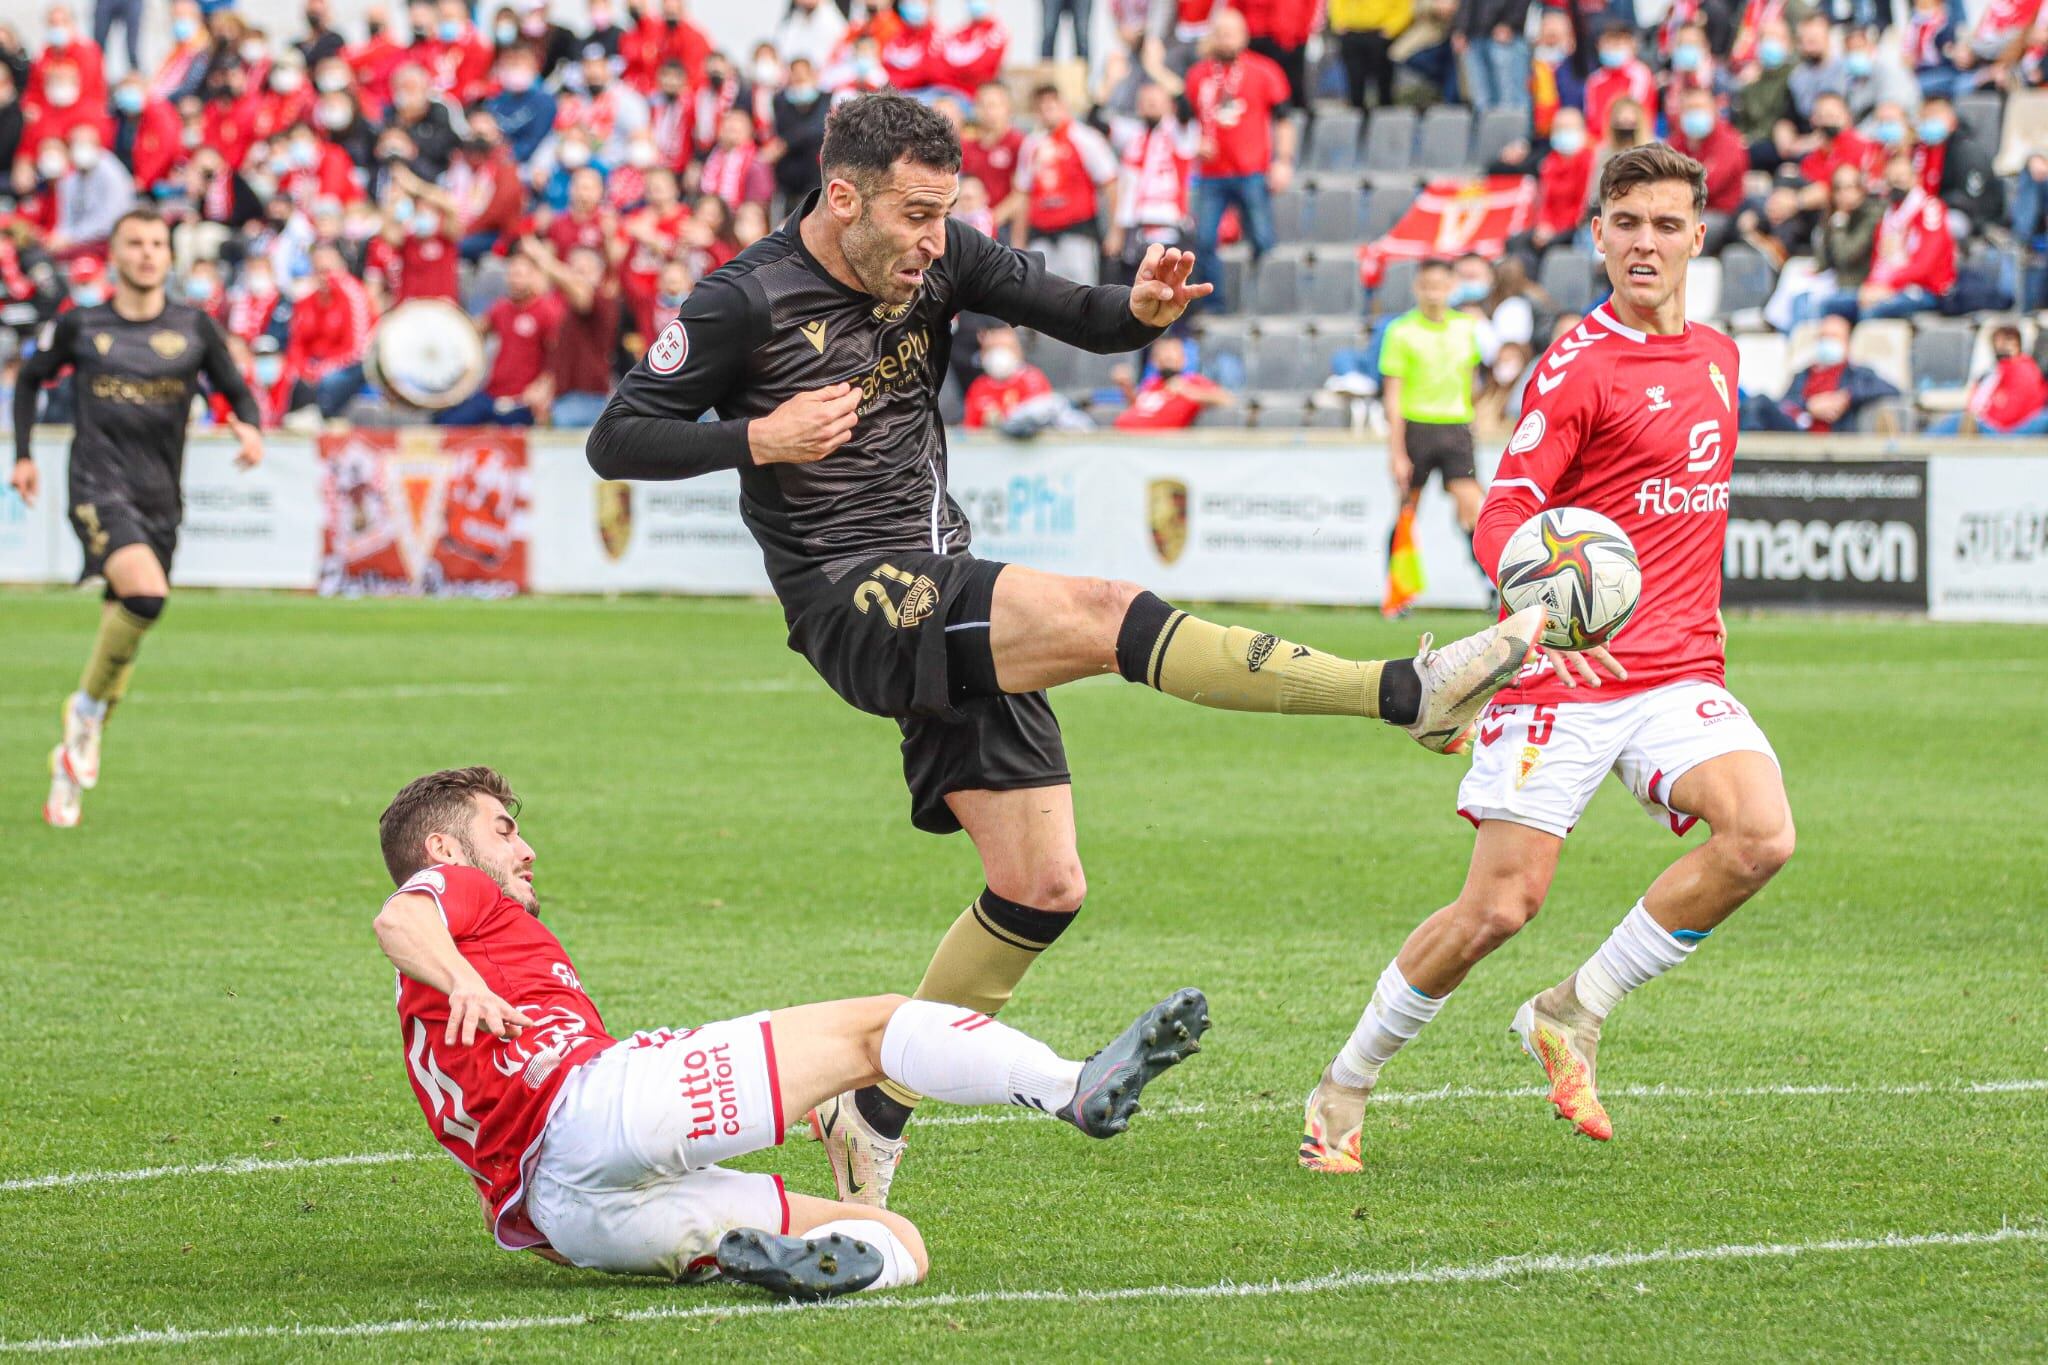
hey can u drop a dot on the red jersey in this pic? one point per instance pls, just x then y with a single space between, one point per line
1846 148
990 400
971 55
2012 393
914 58
1640 429
1914 247
1234 102
1164 404
994 165
1059 171
1608 84
488 1103
428 268
527 330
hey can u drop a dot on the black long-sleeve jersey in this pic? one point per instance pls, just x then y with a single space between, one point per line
134 383
771 324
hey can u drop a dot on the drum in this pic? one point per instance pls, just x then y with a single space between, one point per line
426 354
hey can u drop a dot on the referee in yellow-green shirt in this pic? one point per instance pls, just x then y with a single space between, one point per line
1428 358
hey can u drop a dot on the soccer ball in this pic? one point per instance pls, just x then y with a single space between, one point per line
1578 565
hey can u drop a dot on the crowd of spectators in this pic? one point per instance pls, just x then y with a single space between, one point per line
566 187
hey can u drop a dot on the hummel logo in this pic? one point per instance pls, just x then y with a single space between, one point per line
1657 400
814 332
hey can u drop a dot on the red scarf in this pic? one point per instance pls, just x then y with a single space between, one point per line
725 172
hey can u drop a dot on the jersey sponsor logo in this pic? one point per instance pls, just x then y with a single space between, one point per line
710 1087
1703 447
1528 435
1670 498
1823 551
1720 383
535 1053
1717 709
524 325
169 345
894 312
102 343
1658 402
1166 511
814 332
428 880
902 371
1261 650
670 349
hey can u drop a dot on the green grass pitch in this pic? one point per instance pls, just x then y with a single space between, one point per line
190 979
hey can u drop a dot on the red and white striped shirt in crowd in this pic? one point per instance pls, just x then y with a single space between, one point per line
737 175
1152 182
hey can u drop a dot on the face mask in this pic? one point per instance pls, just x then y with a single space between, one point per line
1467 291
671 300
1830 131
1933 132
183 30
62 96
375 27
767 71
641 154
128 100
401 212
88 296
1697 123
913 14
868 69
978 9
199 290
426 224
1624 132
1167 372
269 369
51 165
191 138
574 155
1896 196
1614 58
60 36
802 96
1860 64
1507 372
2006 353
259 284
333 117
286 81
85 156
1771 53
1828 352
1549 56
306 152
1000 363
1568 141
448 30
518 82
1889 131
506 34
1686 57
253 52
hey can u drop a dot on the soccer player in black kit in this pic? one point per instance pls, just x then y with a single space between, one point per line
821 348
136 361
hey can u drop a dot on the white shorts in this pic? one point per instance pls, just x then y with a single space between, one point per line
627 1178
1538 765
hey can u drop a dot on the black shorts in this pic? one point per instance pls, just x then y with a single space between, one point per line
1442 447
105 524
906 636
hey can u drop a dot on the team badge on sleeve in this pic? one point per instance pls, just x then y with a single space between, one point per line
429 881
670 349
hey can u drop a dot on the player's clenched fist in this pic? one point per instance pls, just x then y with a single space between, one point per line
807 428
473 1005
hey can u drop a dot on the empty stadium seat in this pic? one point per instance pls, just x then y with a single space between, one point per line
1332 216
1275 291
1281 358
1329 419
1497 128
1390 140
1323 344
1061 363
1567 276
2024 130
1280 412
1231 417
1886 346
1333 286
1766 363
1799 347
1982 115
1384 205
1703 290
1941 357
1446 139
1333 141
1396 292
1746 278
1290 211
1888 417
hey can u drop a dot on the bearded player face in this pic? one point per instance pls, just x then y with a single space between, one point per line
891 236
1646 238
493 846
141 254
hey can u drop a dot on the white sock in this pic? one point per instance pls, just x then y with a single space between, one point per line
91 708
958 1055
1639 950
899 1267
1397 1013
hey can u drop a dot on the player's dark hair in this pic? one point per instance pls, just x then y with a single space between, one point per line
1433 263
866 136
439 803
1651 164
141 213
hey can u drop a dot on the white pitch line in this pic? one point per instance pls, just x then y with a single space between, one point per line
1477 1272
260 1165
163 695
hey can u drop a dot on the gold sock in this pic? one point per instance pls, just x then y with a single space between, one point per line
113 654
1234 669
978 965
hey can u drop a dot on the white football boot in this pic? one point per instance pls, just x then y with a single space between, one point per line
62 809
863 1161
1459 679
82 744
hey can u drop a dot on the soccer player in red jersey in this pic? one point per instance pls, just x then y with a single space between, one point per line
1633 415
603 1152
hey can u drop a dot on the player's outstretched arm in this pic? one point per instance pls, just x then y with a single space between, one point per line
1016 287
412 934
650 429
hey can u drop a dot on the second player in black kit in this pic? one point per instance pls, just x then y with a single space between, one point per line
867 551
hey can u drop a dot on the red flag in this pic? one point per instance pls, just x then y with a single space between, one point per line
1451 218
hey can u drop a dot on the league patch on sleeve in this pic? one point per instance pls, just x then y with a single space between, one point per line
1527 436
429 881
670 349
